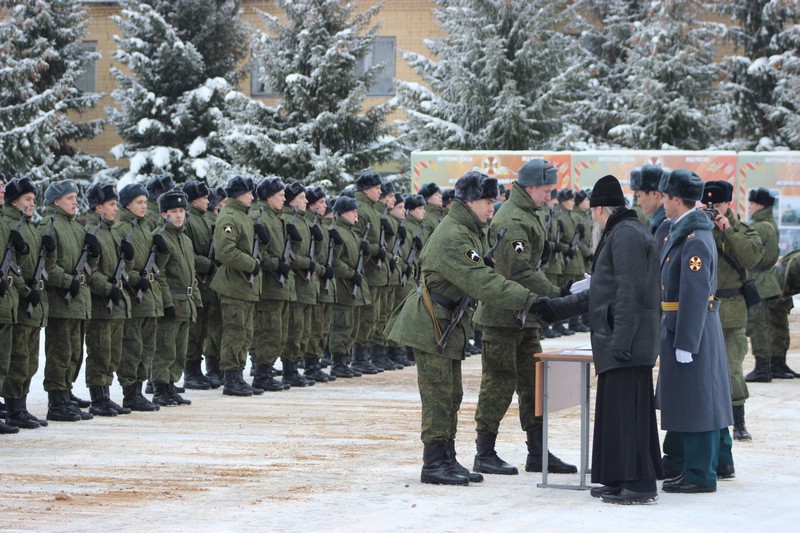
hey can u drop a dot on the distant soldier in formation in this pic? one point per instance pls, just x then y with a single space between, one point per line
434 208
644 183
211 308
156 186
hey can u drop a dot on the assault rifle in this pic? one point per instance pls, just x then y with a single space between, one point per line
312 250
329 264
8 264
120 273
40 274
573 243
211 252
82 265
360 264
413 260
381 241
398 242
151 270
467 302
256 250
559 228
287 250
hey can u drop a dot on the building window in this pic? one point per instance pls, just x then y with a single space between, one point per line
87 81
383 52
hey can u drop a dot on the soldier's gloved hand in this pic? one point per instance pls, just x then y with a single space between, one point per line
571 253
541 307
417 241
392 264
337 239
387 227
20 246
126 247
212 268
261 232
356 279
546 253
161 244
114 294
316 233
402 233
364 246
143 284
565 290
408 272
381 254
293 233
581 230
312 266
489 262
683 356
256 269
34 298
3 287
74 287
169 312
329 274
284 269
92 244
49 243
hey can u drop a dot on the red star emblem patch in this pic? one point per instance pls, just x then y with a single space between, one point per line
695 263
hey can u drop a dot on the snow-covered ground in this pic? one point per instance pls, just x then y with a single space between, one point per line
346 457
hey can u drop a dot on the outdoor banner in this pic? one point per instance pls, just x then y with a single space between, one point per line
780 173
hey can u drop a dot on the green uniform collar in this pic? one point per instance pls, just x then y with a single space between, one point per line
127 216
193 211
463 215
363 198
92 218
520 198
13 213
764 215
55 210
237 205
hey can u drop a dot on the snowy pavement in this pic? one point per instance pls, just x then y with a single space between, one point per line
346 457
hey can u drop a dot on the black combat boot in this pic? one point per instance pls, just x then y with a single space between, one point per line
17 416
292 377
327 358
393 354
213 373
380 359
99 405
7 429
577 326
232 386
58 407
118 408
361 361
2 410
173 393
314 371
779 369
455 466
162 395
74 405
435 469
83 404
265 381
534 462
193 377
477 338
339 368
487 461
245 385
349 359
252 365
739 431
133 399
23 405
761 373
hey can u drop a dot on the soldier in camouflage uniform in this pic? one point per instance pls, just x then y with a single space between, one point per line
738 248
379 350
111 305
156 186
554 268
69 302
434 207
508 363
402 244
327 295
20 198
452 268
212 310
766 323
581 249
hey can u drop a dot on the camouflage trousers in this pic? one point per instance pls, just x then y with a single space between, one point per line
736 345
63 349
400 293
138 346
213 342
6 344
237 332
270 330
441 392
345 323
299 329
24 361
103 351
768 328
198 330
169 358
371 316
508 366
320 329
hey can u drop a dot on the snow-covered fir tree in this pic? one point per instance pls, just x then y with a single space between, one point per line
761 78
41 57
183 58
504 76
669 99
320 130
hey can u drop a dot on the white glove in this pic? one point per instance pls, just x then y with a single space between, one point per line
582 285
683 356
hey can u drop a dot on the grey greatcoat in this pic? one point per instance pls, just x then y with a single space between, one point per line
696 396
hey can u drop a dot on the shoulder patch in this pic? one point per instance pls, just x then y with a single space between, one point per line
518 246
473 256
695 263
227 228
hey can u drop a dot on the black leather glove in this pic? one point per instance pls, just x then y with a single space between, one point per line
571 253
329 274
316 233
337 239
364 246
356 279
284 269
74 287
3 287
49 243
565 289
161 244
546 253
143 284
114 294
312 266
392 264
417 241
408 272
387 227
34 298
581 231
20 246
92 244
541 307
402 233
261 231
293 233
126 248
169 312
489 262
256 269
381 254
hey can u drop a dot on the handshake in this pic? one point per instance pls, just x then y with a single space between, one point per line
546 308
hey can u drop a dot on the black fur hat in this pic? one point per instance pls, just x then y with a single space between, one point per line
131 191
238 186
683 184
344 204
387 188
367 180
414 201
293 190
349 192
537 172
447 196
314 194
215 196
158 185
717 192
172 200
646 178
761 196
607 192
100 193
195 190
580 196
19 186
565 195
474 186
428 190
268 187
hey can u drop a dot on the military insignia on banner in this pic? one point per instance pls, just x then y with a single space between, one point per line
473 256
519 247
227 228
695 263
